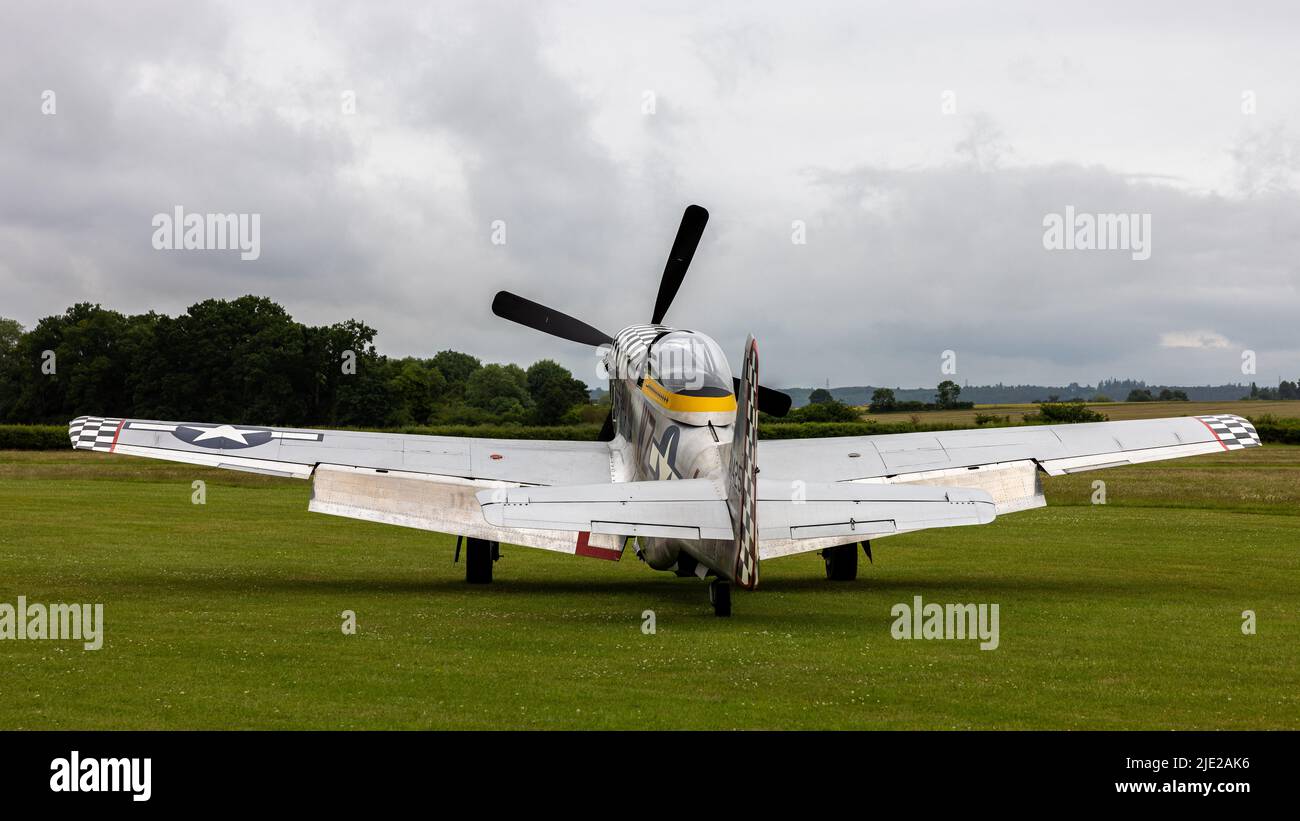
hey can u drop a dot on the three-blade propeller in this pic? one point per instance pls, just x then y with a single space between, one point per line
679 259
548 320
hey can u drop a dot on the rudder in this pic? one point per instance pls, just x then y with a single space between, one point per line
742 472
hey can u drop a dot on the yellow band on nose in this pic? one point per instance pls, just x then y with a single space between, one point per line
682 403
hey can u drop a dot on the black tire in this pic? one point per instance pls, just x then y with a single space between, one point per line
720 597
841 562
478 561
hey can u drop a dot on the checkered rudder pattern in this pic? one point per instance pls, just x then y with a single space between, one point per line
93 433
743 495
1233 431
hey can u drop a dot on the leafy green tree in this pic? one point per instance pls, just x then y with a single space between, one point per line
883 401
501 390
232 360
11 330
333 357
554 391
418 386
90 366
1139 395
456 368
947 393
11 334
819 396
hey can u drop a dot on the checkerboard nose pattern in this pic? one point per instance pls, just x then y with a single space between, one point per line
93 433
1233 431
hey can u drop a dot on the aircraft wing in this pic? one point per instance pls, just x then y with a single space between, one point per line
1057 449
295 452
1005 462
426 482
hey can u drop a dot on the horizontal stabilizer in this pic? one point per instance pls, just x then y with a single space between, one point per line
697 508
804 510
687 509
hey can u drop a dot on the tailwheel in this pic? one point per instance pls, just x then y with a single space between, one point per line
720 597
479 556
841 562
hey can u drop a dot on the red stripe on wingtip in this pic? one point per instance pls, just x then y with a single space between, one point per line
585 548
1212 433
116 433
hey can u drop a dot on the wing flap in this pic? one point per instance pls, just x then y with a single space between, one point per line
438 504
1079 464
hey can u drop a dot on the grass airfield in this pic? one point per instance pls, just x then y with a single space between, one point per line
226 615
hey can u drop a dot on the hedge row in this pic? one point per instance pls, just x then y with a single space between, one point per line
55 437
34 437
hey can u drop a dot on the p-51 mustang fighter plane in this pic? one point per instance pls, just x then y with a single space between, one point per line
676 468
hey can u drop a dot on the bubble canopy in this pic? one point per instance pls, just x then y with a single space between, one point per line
690 364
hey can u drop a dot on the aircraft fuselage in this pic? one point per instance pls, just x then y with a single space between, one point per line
673 407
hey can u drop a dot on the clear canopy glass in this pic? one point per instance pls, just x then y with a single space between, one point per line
691 364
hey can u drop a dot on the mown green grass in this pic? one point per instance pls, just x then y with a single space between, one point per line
226 615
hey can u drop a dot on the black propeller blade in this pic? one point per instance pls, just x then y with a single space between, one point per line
770 401
526 312
679 258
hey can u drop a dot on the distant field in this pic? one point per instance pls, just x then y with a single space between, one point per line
1125 615
1116 411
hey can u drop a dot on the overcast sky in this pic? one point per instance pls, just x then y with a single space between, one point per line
920 146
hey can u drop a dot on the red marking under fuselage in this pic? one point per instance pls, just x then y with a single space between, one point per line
593 552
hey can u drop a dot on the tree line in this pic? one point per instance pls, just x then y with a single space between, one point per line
883 400
247 360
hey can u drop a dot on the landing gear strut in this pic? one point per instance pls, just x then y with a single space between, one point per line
479 556
841 562
720 597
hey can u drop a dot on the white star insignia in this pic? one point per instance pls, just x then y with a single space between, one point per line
222 432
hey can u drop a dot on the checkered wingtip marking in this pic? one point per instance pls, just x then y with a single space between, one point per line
1233 431
93 433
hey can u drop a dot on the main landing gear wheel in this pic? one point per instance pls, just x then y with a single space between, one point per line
479 556
720 597
841 562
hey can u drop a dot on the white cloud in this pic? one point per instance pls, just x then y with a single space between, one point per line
1194 339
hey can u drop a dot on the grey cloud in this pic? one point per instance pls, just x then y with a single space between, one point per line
463 118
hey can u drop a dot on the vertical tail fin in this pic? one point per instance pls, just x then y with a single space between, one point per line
742 472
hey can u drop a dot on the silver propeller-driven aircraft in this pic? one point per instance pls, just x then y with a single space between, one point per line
676 470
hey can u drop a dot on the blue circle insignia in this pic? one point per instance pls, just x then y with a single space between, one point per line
222 437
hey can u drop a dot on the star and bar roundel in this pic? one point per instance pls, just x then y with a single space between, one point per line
223 437
232 437
98 433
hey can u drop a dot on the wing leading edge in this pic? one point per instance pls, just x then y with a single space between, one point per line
296 452
1057 449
